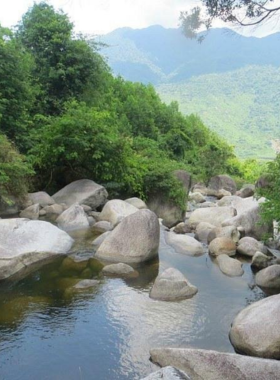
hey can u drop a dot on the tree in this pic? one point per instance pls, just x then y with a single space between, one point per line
240 12
16 92
66 67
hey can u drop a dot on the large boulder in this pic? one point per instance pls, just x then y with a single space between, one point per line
229 266
251 222
25 244
184 244
248 246
268 280
222 246
260 261
212 215
31 212
137 202
74 218
42 198
256 330
83 191
172 285
170 213
116 210
185 178
99 240
213 365
220 182
202 231
168 373
230 232
134 240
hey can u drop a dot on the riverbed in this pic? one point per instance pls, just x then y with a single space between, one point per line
49 333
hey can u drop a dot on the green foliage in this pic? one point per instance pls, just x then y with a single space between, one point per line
14 171
271 206
16 93
66 67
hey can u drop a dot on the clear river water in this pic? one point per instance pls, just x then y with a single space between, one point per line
48 332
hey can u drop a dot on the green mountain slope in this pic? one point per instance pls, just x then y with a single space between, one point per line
243 106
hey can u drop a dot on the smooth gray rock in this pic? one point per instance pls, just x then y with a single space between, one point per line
260 260
83 191
120 269
172 285
268 280
212 215
184 244
134 240
247 191
223 193
74 218
99 240
170 213
202 231
256 330
220 182
250 220
213 365
222 246
197 197
182 228
229 266
86 208
137 202
31 212
230 232
42 198
102 226
116 210
248 246
24 243
54 209
168 373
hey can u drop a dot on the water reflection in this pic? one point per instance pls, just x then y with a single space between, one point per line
48 331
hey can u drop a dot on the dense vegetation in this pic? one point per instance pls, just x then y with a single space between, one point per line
70 118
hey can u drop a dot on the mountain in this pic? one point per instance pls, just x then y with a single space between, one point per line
231 81
159 55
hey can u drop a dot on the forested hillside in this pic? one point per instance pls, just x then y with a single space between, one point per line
230 81
242 106
70 118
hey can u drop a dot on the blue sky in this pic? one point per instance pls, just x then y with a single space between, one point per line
103 16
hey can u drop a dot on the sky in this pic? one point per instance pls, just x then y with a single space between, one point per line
103 16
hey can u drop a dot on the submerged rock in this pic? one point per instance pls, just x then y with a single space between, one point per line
172 285
184 244
122 270
168 373
83 191
134 240
256 330
268 280
86 284
230 267
116 210
74 218
25 243
213 365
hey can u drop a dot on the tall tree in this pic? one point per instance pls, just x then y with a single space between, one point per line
66 66
240 12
